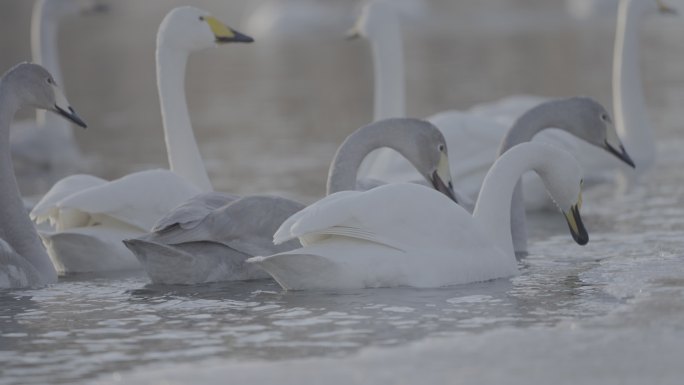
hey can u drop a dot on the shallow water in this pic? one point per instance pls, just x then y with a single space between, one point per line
609 312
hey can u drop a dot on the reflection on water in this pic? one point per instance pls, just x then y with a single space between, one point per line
269 117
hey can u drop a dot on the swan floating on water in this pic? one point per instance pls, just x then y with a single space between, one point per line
407 235
44 149
23 261
208 238
475 139
90 216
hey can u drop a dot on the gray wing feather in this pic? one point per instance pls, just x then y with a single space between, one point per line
195 209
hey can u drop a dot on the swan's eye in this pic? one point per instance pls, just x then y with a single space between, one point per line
50 81
604 117
441 148
201 18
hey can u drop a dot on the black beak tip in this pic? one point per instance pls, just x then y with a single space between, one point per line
580 236
237 38
71 115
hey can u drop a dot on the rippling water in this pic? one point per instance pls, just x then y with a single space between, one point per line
613 307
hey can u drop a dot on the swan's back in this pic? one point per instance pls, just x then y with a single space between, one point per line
394 235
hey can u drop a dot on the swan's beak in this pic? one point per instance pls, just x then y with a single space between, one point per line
441 178
620 153
666 9
353 33
63 108
225 34
579 233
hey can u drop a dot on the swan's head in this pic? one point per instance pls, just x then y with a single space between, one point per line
35 87
562 177
192 29
589 120
58 9
424 146
375 17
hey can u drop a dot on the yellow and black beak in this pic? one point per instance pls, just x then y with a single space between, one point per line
352 34
579 233
666 9
441 178
620 153
63 108
225 34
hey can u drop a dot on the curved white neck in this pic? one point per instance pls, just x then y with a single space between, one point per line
15 226
388 68
45 52
493 208
181 147
631 117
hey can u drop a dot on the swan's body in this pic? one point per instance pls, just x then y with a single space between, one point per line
44 149
23 261
88 214
406 235
490 122
208 238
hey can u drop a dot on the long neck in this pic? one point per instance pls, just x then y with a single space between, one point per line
493 207
15 226
44 30
631 118
525 128
351 153
181 147
388 67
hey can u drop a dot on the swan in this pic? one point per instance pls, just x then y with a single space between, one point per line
379 24
209 237
23 261
89 216
44 149
406 235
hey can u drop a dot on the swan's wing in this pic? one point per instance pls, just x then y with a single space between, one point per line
246 225
188 214
48 206
137 199
402 216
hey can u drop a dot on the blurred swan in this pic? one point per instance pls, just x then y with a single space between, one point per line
23 261
406 235
475 139
44 148
380 25
90 216
208 238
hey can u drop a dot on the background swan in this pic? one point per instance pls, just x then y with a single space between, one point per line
23 261
208 238
406 235
44 149
380 25
90 216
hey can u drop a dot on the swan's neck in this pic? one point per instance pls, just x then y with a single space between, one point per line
15 226
184 155
44 30
531 122
351 153
388 67
525 128
493 207
631 118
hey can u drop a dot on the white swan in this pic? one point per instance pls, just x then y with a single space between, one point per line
379 24
208 238
91 216
44 149
406 235
23 261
